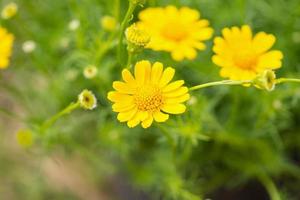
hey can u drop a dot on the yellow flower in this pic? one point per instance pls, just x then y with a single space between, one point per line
179 31
108 23
87 100
137 38
148 95
6 43
243 56
25 138
9 10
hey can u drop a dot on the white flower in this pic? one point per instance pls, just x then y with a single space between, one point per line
90 71
28 46
87 100
74 24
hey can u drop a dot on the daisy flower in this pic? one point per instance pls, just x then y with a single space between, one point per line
178 31
148 95
9 10
6 43
87 100
243 56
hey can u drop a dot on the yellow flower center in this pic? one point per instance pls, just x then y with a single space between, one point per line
148 98
174 31
246 61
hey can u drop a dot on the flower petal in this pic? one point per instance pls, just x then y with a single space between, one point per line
173 86
119 97
167 76
123 88
147 122
175 93
126 116
160 117
140 71
179 99
127 76
263 42
156 72
174 108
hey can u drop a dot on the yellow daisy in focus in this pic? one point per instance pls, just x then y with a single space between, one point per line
243 56
179 31
148 95
6 43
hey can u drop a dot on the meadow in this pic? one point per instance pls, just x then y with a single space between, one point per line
150 99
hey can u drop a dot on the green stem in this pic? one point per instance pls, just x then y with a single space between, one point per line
129 60
117 9
282 80
224 82
270 187
49 122
124 24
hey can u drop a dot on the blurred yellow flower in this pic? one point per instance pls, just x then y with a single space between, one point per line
9 10
108 23
87 100
243 56
24 138
6 43
179 31
148 95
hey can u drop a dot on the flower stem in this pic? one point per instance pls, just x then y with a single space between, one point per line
129 60
49 122
224 82
270 187
124 24
282 80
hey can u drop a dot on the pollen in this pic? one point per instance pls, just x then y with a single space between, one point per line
148 98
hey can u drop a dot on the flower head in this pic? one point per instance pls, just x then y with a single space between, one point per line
9 10
266 80
178 31
148 95
137 37
90 71
87 100
28 46
243 56
108 23
24 138
6 43
74 24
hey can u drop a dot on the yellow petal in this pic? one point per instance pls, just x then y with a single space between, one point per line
143 115
173 86
118 97
140 71
247 33
160 117
122 107
126 116
156 72
123 88
127 76
174 108
134 121
147 122
176 93
263 42
270 60
166 77
179 99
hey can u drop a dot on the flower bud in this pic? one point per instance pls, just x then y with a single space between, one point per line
9 10
87 100
266 80
108 23
137 38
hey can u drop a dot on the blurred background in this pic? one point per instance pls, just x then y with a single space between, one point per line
233 143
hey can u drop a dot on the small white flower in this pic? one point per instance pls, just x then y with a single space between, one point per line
87 100
90 71
28 46
74 24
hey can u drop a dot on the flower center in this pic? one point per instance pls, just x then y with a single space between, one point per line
148 98
246 61
174 31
